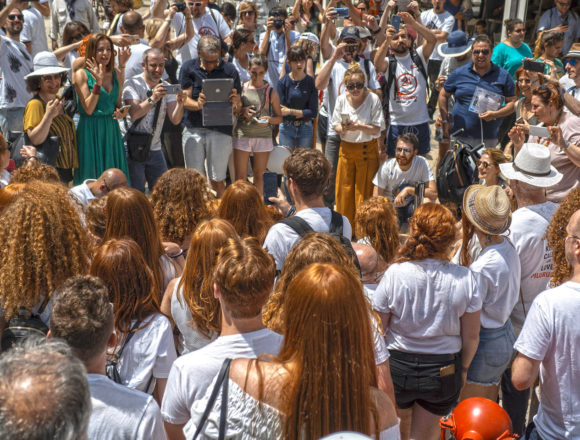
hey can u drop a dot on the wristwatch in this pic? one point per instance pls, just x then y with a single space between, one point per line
150 101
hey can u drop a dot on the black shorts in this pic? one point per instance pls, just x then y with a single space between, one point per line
417 379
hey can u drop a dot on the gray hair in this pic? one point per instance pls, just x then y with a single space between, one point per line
44 393
209 45
152 51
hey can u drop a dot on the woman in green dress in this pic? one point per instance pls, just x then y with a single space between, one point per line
100 143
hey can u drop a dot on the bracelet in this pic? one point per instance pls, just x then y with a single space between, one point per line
376 32
177 255
96 89
168 20
121 67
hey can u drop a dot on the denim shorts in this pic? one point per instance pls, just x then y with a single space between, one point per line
493 355
290 134
417 379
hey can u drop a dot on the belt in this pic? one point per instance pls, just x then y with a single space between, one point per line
404 356
299 122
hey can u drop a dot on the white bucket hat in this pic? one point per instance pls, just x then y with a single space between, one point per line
310 37
45 63
532 166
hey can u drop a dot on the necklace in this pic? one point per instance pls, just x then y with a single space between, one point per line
297 83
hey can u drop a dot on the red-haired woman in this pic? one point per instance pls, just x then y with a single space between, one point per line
189 299
243 207
327 329
431 316
99 90
147 357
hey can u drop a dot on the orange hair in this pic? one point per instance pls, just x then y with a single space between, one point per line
243 207
91 50
132 290
196 282
9 193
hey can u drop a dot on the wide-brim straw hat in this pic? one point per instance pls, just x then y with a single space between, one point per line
574 51
487 208
45 63
532 166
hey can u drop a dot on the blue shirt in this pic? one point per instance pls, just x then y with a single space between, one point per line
462 83
192 75
301 95
552 18
277 54
510 58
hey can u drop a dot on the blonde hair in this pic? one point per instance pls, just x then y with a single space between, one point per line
353 70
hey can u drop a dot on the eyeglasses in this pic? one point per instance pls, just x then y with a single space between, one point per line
48 78
107 187
481 163
482 51
571 236
194 4
525 80
357 85
403 151
571 61
519 31
13 17
210 62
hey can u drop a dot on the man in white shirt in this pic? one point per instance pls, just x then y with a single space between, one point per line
548 345
132 24
144 93
84 318
34 31
307 172
407 91
440 22
82 10
571 81
94 189
243 280
528 175
397 177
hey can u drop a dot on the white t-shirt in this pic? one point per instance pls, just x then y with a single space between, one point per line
426 299
277 54
433 21
192 373
369 112
244 74
121 413
5 178
208 24
551 334
134 63
136 89
82 192
336 86
575 92
15 63
151 351
409 107
390 176
33 30
527 234
281 238
498 274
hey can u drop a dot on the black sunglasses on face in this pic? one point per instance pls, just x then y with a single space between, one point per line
13 17
482 51
357 85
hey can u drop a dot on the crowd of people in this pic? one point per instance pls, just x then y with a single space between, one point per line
224 220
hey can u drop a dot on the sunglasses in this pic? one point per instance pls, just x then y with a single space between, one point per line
194 3
482 51
571 61
13 17
247 13
357 85
403 151
210 63
481 163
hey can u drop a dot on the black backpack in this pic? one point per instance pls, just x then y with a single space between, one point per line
458 170
301 227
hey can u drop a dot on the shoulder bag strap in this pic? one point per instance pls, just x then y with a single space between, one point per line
223 375
298 224
118 355
337 223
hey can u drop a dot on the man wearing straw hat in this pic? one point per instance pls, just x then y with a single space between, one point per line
529 174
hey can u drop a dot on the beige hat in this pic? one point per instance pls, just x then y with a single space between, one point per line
487 208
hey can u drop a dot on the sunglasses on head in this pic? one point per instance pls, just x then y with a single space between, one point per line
481 51
357 85
16 16
571 61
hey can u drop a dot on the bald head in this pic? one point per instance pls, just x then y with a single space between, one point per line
368 260
111 179
132 23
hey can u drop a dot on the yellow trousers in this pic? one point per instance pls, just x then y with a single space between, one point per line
357 165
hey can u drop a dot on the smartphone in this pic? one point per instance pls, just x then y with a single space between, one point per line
534 66
123 107
541 132
173 89
342 12
396 22
270 186
345 118
260 121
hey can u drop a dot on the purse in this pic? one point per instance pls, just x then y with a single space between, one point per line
139 142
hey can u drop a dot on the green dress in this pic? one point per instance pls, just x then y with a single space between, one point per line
100 143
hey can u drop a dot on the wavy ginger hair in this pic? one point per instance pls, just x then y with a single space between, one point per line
314 247
243 207
130 215
180 202
328 347
432 232
556 235
43 245
122 267
196 284
376 219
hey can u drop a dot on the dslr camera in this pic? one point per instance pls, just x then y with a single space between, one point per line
180 6
278 22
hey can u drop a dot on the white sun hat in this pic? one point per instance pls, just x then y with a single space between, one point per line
532 166
45 63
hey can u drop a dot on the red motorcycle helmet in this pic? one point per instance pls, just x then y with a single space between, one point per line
477 418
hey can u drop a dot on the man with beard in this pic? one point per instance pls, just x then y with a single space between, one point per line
15 63
406 82
331 78
397 177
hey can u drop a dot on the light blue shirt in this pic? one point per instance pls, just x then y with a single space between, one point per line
277 54
552 18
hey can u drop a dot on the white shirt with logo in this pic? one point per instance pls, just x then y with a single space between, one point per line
434 21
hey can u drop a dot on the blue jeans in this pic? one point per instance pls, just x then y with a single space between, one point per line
289 134
331 153
532 433
150 170
11 120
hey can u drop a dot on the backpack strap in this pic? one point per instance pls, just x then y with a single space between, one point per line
366 65
131 333
419 63
336 223
298 224
391 73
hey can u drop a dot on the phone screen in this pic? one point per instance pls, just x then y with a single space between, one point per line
270 186
396 22
534 66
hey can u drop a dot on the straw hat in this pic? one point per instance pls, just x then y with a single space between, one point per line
487 208
574 51
45 63
532 166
